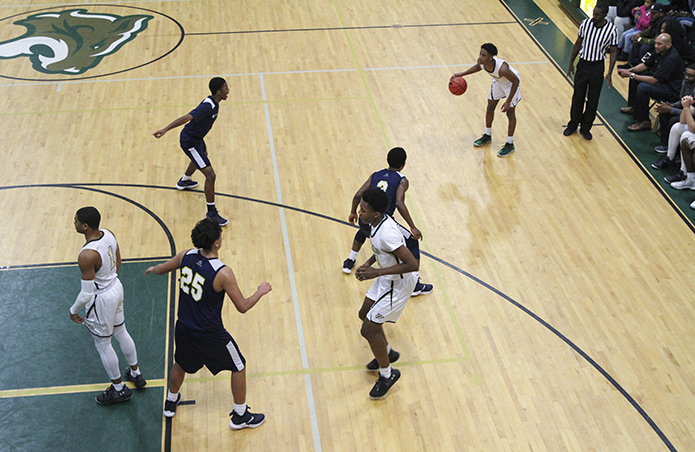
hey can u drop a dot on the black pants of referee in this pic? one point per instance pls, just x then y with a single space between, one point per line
588 81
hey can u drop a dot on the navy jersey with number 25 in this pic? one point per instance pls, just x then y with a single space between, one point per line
200 306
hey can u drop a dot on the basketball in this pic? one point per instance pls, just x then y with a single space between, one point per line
457 85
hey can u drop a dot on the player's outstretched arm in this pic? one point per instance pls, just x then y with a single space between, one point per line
471 70
166 267
226 280
176 123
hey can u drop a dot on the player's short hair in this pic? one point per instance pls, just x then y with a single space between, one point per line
602 6
204 234
90 216
396 157
692 66
376 198
489 48
216 84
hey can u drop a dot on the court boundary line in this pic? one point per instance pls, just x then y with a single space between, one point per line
345 28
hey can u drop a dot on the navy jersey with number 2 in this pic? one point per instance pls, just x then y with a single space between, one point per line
388 181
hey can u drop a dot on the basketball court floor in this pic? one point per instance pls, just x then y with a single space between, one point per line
562 313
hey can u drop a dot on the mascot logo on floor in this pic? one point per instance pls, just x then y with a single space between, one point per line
73 41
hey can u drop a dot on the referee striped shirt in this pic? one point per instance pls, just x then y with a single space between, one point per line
595 41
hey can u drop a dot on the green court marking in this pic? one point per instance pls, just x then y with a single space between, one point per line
52 371
360 70
42 347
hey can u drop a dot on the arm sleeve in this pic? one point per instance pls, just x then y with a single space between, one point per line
83 297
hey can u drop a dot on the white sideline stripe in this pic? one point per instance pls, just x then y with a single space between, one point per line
312 71
293 283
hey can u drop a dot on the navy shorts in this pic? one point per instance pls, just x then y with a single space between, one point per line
217 351
196 151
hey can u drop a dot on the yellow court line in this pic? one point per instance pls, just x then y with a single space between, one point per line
360 70
54 390
260 102
161 382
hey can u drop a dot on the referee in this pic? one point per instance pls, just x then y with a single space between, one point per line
595 36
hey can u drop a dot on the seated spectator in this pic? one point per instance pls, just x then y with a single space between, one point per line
659 78
646 38
680 42
621 14
669 114
642 15
687 148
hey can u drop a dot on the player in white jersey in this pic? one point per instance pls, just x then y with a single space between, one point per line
505 84
102 297
394 284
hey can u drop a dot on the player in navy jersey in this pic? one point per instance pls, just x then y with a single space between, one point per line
197 124
395 185
201 339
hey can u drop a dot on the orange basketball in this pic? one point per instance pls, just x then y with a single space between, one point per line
457 85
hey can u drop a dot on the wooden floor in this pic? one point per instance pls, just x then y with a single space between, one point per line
562 315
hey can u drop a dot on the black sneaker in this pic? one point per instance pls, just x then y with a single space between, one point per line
248 420
586 135
382 385
138 381
170 407
569 130
422 289
111 396
679 176
482 141
664 162
214 215
186 184
347 265
393 357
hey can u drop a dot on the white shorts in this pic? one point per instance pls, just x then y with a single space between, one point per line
499 91
390 297
105 311
689 137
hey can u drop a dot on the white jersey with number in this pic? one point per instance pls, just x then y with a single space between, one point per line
106 246
496 71
385 238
